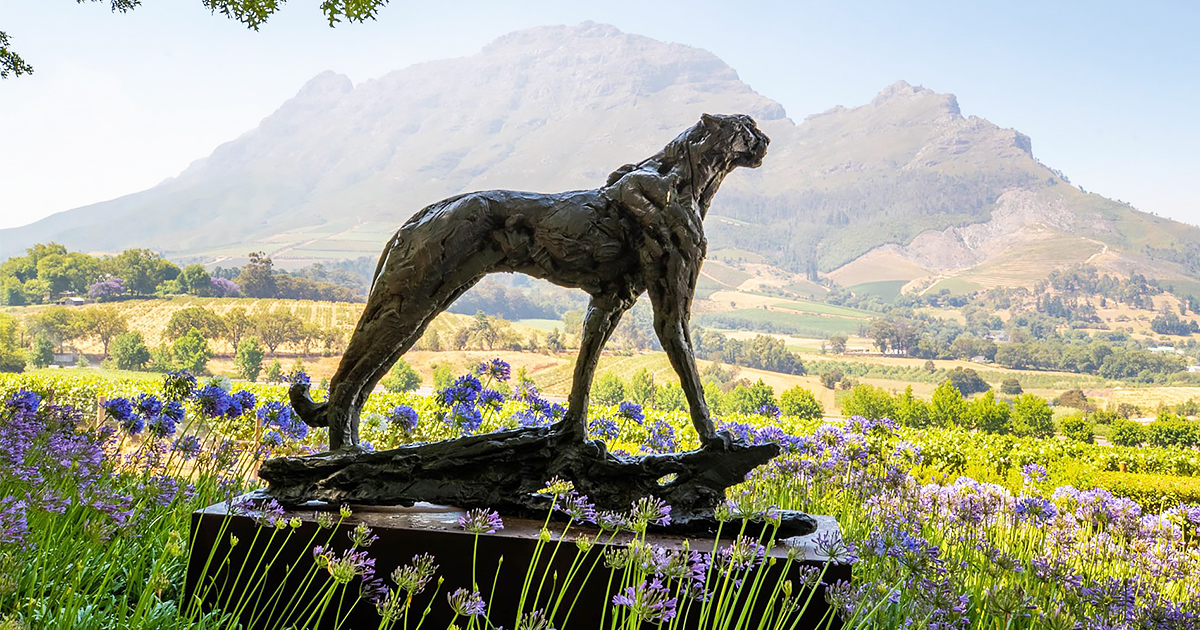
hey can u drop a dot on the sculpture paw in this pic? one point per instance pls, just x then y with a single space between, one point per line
717 441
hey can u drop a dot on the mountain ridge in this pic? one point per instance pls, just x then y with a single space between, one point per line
339 165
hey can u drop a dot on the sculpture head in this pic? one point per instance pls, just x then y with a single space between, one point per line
737 136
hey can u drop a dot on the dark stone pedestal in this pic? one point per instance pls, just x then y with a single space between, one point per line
424 528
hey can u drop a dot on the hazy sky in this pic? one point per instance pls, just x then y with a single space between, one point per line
1108 91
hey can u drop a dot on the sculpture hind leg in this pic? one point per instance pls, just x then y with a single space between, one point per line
603 315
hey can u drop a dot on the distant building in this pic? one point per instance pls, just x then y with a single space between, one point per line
1194 369
997 335
1166 350
73 301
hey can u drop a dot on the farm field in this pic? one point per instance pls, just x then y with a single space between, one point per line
1125 510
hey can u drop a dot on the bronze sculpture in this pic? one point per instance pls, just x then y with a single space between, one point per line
642 231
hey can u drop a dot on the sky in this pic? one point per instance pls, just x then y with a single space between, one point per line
1108 91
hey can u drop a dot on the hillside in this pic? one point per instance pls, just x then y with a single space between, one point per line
902 193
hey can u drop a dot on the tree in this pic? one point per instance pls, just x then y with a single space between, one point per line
70 272
1010 387
837 344
947 407
967 381
190 352
257 278
248 359
910 410
43 352
1074 398
142 270
104 323
12 359
59 324
988 414
401 378
274 371
195 280
251 14
608 389
237 324
195 317
670 397
869 402
1078 428
1032 417
831 378
800 403
641 387
277 328
1127 433
129 351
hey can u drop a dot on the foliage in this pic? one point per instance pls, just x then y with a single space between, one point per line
946 406
967 381
104 323
401 378
12 358
608 389
276 328
669 397
211 325
868 401
1032 416
1011 387
42 353
641 387
800 403
1180 433
988 414
749 400
1077 427
763 351
274 371
1151 490
129 351
248 359
190 352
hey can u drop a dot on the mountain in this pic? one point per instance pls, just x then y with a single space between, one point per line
904 189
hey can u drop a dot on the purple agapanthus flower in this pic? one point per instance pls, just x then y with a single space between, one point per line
648 601
13 525
404 417
631 411
481 521
466 603
496 368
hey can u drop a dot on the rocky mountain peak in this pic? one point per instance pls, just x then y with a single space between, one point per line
903 93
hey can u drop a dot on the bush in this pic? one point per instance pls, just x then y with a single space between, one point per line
641 388
1011 387
669 397
831 378
191 352
43 352
1127 433
401 378
910 410
967 381
1074 398
1172 433
800 403
249 358
988 414
1032 417
946 406
1153 492
1078 428
274 371
608 389
869 402
129 351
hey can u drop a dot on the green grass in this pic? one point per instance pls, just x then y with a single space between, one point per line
541 324
957 286
886 290
726 275
798 323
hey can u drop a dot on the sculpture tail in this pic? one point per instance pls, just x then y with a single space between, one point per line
312 413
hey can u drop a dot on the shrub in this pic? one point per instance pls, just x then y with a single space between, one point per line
608 390
1127 433
1153 492
43 352
1011 387
129 352
946 406
801 403
1172 433
1074 398
670 397
831 378
401 378
641 387
274 371
910 410
967 381
249 358
988 414
191 352
1078 428
869 402
1032 417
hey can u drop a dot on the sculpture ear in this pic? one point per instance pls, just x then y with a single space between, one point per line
710 121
